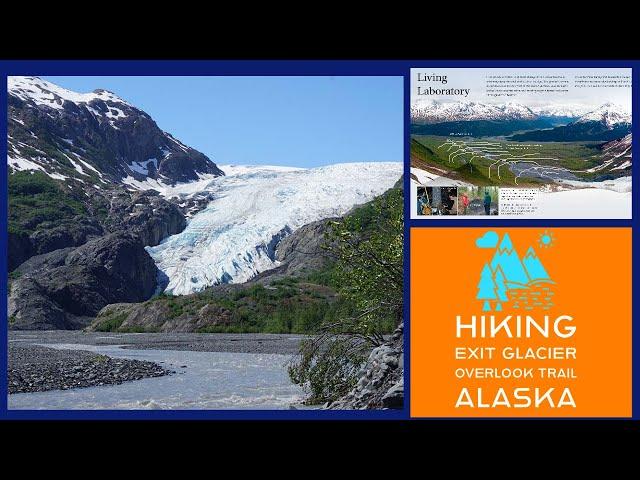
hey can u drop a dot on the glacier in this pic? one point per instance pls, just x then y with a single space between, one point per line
234 237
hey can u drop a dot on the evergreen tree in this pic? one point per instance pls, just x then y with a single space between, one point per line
486 288
501 288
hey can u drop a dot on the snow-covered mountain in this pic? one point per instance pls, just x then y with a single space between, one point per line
432 111
92 138
619 148
235 237
606 123
40 92
608 114
561 111
438 112
617 156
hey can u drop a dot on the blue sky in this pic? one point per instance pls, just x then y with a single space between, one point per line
298 121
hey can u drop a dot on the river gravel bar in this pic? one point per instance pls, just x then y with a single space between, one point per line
286 344
34 368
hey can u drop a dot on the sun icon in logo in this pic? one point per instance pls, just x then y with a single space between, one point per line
546 239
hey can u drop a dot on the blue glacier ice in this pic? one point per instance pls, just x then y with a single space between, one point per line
233 238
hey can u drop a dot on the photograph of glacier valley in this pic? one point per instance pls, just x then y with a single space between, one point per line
205 243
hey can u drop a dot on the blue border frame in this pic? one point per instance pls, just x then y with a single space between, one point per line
271 68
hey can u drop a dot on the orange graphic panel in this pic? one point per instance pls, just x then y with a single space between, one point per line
520 322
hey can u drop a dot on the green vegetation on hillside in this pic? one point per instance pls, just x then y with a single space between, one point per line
110 322
285 306
472 160
290 305
35 198
59 153
368 274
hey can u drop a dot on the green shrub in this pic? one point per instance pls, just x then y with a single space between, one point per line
368 274
329 370
111 323
31 183
35 198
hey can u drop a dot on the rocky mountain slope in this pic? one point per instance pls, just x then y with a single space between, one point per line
220 307
72 157
92 137
77 229
67 269
605 123
44 217
617 155
66 288
616 160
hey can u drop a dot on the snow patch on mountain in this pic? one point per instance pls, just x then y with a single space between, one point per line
180 190
559 110
234 238
89 166
433 111
424 178
609 114
143 167
98 128
19 163
620 184
75 165
437 112
51 95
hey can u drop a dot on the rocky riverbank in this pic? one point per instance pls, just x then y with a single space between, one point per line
381 383
33 368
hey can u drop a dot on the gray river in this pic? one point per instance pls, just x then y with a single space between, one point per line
203 380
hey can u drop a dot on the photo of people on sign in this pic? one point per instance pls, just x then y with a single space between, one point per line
437 201
478 200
